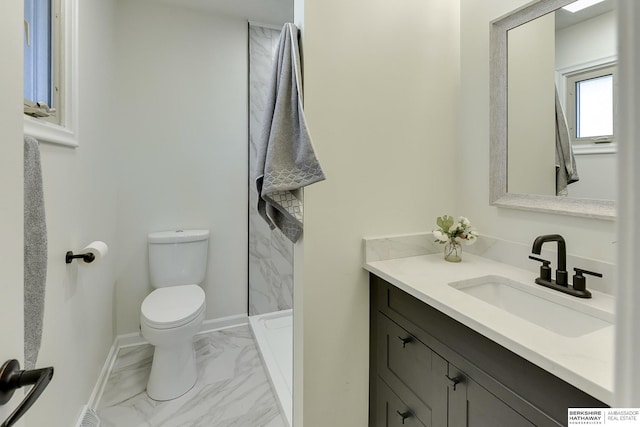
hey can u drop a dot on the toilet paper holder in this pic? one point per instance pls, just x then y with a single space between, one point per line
89 257
94 251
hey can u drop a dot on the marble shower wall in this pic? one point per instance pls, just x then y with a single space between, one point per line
270 253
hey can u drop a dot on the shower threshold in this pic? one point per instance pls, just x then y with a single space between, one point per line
274 335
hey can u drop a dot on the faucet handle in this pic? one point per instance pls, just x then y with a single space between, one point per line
581 271
580 282
545 270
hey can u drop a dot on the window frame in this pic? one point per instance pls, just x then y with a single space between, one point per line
65 130
605 143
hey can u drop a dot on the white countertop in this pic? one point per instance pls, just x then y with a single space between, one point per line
585 361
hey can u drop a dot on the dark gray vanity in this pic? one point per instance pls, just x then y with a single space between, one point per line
427 369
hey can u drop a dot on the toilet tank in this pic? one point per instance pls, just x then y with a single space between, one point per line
178 257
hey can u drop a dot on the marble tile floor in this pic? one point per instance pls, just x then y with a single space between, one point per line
232 389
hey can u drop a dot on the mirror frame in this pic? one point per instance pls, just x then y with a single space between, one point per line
498 195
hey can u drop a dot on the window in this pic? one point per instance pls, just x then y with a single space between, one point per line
50 70
590 105
42 59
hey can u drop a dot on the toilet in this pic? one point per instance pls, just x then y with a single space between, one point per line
171 315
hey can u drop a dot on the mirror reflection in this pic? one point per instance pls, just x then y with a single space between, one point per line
560 103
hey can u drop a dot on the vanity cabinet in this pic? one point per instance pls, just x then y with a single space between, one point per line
427 369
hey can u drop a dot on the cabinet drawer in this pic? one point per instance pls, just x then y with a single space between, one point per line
391 411
413 371
470 404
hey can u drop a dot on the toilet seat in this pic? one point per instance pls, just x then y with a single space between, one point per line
173 306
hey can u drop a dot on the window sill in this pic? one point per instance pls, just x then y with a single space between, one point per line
607 148
49 132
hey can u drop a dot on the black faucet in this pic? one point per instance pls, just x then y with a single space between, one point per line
561 271
560 283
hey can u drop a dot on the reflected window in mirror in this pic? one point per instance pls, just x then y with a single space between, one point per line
590 101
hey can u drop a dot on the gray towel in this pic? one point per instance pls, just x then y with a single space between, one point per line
35 252
566 169
286 160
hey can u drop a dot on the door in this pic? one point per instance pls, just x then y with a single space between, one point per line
11 216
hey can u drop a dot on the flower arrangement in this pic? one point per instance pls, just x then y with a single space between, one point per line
449 231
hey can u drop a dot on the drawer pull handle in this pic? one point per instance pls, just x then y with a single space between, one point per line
405 341
454 381
404 415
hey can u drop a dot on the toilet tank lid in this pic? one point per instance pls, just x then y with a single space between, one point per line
178 236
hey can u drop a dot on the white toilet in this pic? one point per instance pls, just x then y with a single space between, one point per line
171 315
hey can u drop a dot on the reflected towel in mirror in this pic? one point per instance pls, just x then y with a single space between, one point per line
566 169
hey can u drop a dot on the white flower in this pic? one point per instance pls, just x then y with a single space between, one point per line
456 232
471 238
440 236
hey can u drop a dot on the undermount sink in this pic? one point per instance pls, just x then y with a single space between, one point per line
540 306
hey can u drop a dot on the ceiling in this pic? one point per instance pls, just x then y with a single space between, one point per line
565 18
273 12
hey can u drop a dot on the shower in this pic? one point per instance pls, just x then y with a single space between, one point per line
270 252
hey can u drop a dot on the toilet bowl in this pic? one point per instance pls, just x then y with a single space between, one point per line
171 315
169 319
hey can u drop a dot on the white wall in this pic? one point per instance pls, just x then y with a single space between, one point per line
591 40
182 147
597 177
80 197
589 238
381 87
11 201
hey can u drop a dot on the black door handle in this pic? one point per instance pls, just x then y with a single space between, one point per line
12 378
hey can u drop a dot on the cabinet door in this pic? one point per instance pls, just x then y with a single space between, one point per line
413 371
391 411
471 405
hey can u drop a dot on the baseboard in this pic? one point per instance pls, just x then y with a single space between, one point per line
223 323
136 338
98 389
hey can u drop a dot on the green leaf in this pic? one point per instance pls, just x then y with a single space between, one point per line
445 222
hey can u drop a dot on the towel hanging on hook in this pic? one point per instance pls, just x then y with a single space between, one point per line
286 160
35 252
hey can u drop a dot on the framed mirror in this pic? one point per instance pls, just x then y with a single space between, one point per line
549 151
